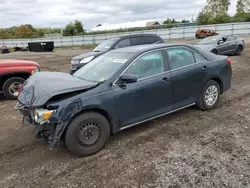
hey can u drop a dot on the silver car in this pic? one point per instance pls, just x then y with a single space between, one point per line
223 44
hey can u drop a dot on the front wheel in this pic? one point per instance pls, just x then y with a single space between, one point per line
11 87
209 96
239 50
87 134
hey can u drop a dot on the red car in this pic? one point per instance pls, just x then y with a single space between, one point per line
13 73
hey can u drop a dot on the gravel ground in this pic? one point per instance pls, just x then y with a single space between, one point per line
190 148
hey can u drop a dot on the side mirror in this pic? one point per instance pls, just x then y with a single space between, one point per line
128 78
220 42
224 39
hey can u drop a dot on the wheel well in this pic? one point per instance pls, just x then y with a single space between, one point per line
240 45
100 111
220 84
5 77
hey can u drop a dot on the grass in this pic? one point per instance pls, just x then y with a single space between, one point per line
84 47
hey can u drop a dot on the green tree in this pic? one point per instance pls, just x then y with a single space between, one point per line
185 21
218 6
4 34
25 31
69 30
243 11
78 27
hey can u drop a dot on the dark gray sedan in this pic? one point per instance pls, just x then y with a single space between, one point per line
223 44
120 89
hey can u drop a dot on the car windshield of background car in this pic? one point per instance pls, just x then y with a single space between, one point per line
209 40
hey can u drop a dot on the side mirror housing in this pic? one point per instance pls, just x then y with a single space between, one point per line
128 78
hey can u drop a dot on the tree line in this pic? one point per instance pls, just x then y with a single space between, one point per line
26 31
215 12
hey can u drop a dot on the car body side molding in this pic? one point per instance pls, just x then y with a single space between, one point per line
131 125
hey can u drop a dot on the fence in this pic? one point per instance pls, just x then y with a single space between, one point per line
242 28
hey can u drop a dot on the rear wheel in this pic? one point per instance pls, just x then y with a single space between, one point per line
87 134
11 87
209 96
239 50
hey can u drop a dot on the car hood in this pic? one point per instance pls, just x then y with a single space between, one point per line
82 56
42 86
13 62
207 47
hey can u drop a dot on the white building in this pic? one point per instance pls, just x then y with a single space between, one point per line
135 24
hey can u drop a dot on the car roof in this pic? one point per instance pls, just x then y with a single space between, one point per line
133 35
147 47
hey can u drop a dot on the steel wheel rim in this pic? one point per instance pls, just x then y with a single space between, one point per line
14 88
211 95
88 134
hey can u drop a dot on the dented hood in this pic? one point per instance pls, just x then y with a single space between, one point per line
42 86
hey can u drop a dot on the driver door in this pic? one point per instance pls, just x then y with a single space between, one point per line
150 96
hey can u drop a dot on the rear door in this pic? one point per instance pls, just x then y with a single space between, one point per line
188 71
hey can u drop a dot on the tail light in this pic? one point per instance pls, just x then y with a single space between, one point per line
229 61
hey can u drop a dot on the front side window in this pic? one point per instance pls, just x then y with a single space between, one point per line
123 43
180 57
105 46
147 65
103 67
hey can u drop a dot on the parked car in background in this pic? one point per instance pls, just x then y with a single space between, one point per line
203 33
119 42
13 73
120 89
4 49
223 44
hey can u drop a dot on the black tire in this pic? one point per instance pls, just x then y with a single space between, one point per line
201 102
214 51
71 137
7 84
239 50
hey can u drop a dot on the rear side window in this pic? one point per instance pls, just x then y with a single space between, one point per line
137 41
180 57
123 43
199 58
153 39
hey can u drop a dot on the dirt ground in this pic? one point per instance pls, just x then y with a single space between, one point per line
190 148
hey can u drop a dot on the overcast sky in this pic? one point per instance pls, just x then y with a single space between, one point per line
57 13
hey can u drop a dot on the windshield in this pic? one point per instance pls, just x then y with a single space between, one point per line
105 46
209 40
103 67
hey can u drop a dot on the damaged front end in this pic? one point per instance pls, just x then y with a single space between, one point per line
41 119
49 107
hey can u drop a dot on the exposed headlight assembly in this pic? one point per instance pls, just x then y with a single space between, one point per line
87 59
42 116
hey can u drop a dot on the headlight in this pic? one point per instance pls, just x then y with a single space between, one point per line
42 116
34 71
74 61
87 59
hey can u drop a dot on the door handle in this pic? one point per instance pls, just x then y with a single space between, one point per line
164 79
204 68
